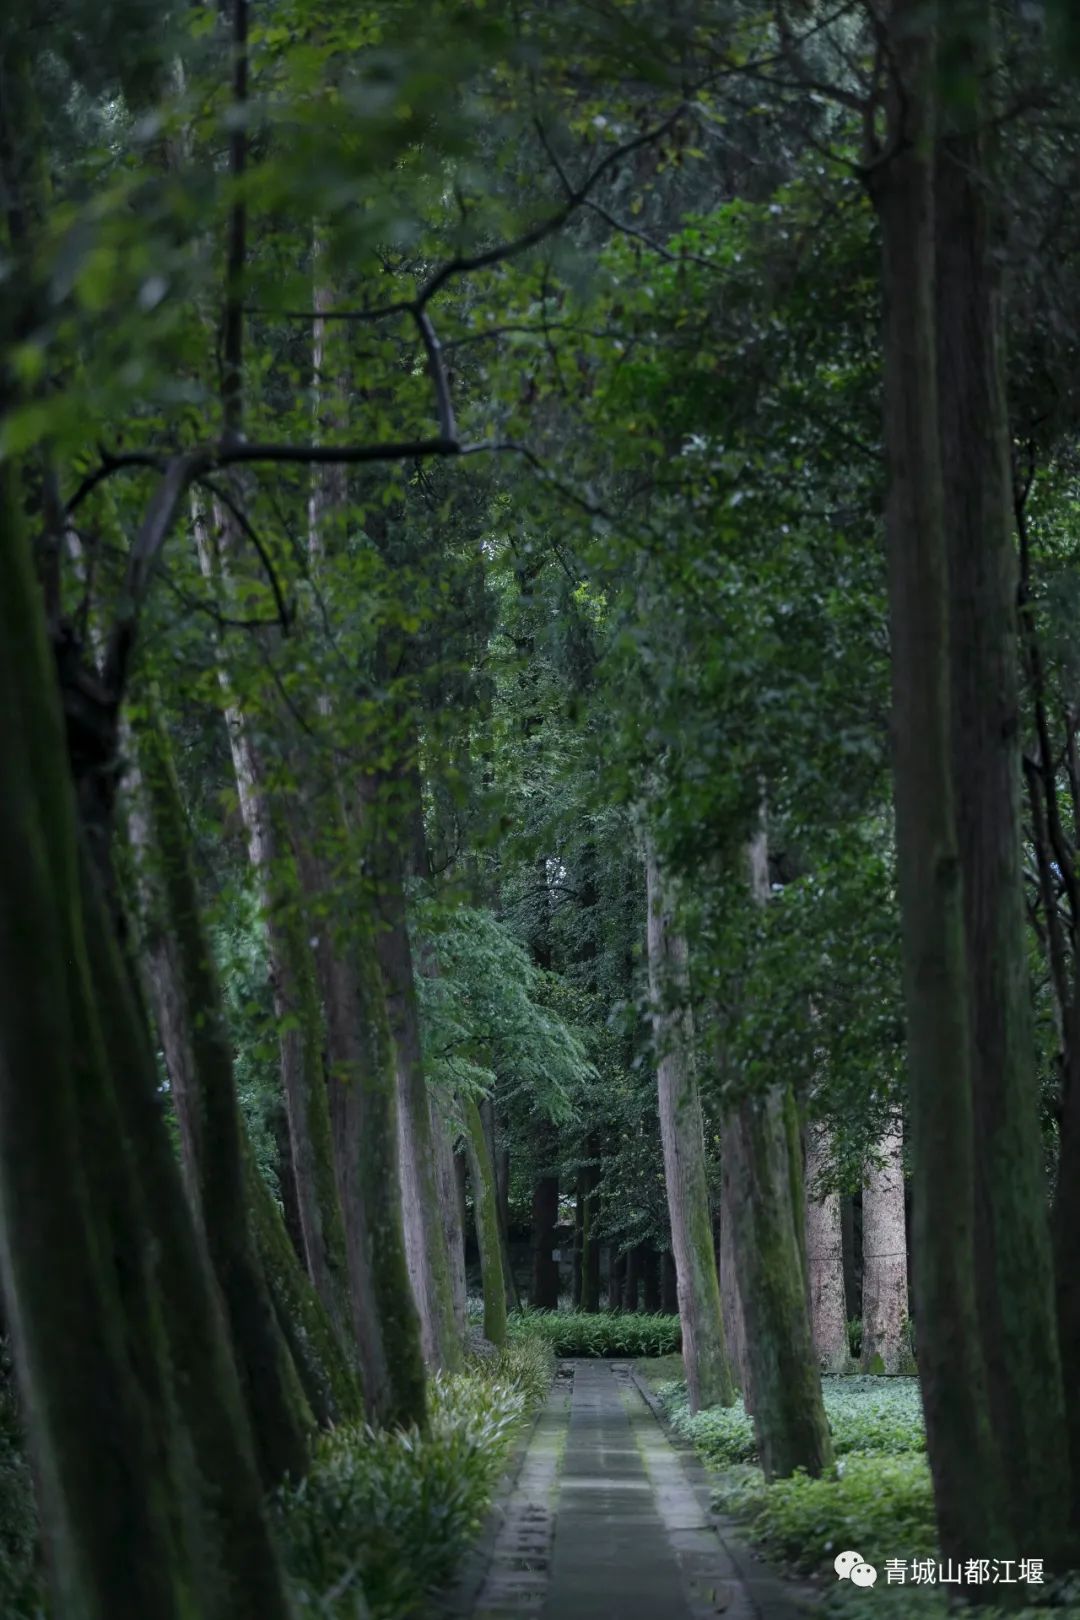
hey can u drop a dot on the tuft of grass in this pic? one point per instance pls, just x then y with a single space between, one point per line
601 1333
384 1516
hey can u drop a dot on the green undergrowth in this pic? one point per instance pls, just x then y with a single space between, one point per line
879 1415
382 1518
880 1602
600 1333
877 1499
390 1514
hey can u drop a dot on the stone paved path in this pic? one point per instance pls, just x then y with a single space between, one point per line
606 1522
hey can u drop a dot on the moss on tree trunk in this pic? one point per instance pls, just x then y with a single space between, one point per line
148 1492
1014 1274
963 1458
708 1373
280 1417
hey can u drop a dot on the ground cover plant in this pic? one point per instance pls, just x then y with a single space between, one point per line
880 1415
877 1498
384 1515
600 1333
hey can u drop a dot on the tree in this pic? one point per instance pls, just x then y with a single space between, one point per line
962 1457
708 1374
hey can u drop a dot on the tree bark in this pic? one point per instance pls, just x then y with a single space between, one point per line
763 1157
215 1148
963 1461
730 1298
361 1084
651 1279
708 1375
450 1209
1014 1271
669 1284
617 1266
885 1286
292 979
825 1260
500 1158
544 1294
634 1269
579 1228
388 806
485 1205
107 1292
588 1199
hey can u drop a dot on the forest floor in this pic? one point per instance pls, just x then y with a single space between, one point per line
608 1521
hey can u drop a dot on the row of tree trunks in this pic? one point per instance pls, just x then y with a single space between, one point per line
364 1079
150 1498
292 975
185 991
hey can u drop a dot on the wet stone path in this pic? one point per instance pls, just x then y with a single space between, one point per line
607 1522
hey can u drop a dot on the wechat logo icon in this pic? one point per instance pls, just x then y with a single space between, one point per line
849 1566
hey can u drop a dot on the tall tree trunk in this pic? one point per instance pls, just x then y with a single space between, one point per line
650 1279
212 1133
450 1209
616 1278
762 1146
634 1269
885 1286
362 1105
669 1284
1014 1273
852 1256
825 1259
708 1375
388 809
292 980
962 1456
588 1195
500 1158
1066 1216
107 1292
579 1229
730 1298
485 1205
544 1294
763 1156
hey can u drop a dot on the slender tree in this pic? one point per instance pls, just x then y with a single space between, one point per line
884 1256
708 1374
